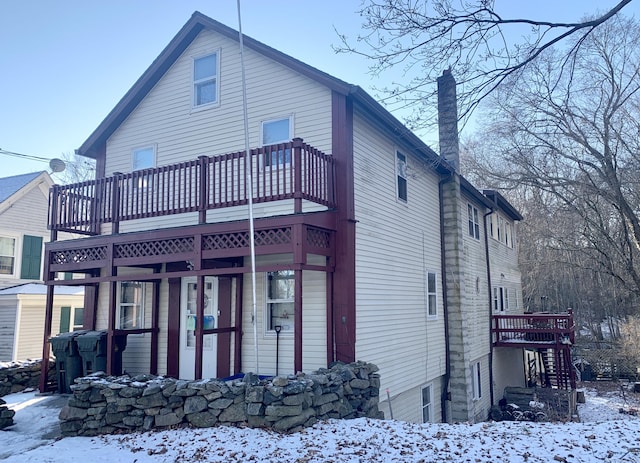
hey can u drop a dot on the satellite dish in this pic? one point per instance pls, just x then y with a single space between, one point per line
57 165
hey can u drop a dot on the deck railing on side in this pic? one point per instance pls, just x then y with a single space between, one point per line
534 329
293 170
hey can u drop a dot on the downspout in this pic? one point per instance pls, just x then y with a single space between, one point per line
446 395
486 250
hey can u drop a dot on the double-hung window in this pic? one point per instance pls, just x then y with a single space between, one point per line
273 132
280 301
7 255
431 298
474 224
401 173
476 380
130 305
427 401
205 80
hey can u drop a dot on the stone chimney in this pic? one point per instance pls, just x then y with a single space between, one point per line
448 119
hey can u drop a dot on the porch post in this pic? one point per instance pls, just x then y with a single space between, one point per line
199 326
112 311
297 175
155 317
203 180
297 308
237 335
44 367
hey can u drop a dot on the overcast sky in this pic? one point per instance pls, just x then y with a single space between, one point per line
64 64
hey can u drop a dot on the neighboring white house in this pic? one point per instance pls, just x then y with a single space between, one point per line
362 238
23 227
22 310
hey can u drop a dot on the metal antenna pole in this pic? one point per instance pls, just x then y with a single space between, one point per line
249 180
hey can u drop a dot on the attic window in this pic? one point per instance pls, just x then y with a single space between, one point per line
205 80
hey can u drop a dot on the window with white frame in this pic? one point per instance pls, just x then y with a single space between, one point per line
500 298
280 301
476 380
205 80
431 294
130 315
143 158
7 255
401 173
427 403
273 132
474 224
508 235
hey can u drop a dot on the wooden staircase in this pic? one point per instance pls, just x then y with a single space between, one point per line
556 370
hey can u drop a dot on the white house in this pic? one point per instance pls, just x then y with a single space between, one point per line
356 232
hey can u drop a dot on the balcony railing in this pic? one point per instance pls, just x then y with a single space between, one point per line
534 330
292 170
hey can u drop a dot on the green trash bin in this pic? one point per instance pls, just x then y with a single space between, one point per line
92 346
68 360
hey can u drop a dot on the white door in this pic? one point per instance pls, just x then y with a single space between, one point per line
188 321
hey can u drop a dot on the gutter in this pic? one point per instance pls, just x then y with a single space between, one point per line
486 251
446 394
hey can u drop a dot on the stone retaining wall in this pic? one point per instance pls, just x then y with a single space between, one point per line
102 405
18 376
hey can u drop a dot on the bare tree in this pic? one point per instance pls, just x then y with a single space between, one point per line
424 37
77 169
568 133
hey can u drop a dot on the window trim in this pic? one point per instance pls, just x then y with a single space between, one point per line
216 78
474 221
476 380
268 302
16 245
153 147
431 314
402 183
429 405
120 304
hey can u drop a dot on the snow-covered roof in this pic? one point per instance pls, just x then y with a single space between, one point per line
10 185
41 289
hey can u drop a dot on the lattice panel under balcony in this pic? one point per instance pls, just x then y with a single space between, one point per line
79 255
318 238
225 241
241 239
273 236
154 248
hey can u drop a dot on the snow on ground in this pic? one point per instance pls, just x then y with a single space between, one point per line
604 435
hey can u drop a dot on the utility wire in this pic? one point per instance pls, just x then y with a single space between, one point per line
24 156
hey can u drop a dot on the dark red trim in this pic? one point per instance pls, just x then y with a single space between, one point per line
44 367
223 362
173 329
344 297
90 307
155 321
297 307
237 337
199 326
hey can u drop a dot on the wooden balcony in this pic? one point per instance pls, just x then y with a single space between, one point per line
535 331
288 171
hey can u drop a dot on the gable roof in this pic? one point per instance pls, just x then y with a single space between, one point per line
11 185
39 289
94 145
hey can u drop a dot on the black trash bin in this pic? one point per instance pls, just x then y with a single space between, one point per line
68 360
92 346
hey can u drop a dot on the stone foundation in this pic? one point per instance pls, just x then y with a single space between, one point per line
18 376
103 405
6 415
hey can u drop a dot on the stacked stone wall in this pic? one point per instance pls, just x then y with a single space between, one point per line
103 405
18 376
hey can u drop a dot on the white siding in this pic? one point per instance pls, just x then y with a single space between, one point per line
28 216
136 357
407 405
396 243
8 314
314 328
165 117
